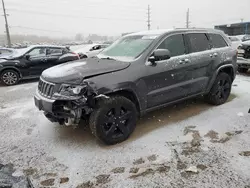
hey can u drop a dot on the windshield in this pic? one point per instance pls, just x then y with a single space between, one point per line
129 47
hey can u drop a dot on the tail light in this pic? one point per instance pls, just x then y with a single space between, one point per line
76 54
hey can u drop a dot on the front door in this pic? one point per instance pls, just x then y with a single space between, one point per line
167 81
37 61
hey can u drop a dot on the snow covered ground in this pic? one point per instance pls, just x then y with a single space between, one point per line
191 144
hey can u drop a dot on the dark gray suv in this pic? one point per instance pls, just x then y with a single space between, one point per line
138 73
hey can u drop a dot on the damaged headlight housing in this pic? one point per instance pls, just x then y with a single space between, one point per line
72 90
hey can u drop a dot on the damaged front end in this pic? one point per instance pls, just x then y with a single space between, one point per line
65 103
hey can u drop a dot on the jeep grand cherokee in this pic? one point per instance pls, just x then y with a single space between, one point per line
138 73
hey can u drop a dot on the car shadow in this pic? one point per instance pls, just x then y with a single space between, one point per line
148 123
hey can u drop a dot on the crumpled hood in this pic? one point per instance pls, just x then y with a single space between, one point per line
75 71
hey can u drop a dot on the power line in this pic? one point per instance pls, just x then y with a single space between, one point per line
85 6
71 16
6 25
99 4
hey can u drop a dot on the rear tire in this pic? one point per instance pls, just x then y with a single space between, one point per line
242 70
9 77
113 120
221 89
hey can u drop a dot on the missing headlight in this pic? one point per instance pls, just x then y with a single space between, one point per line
70 90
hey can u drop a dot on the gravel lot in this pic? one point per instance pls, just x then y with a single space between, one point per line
191 144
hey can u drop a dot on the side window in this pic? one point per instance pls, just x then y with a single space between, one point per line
217 41
54 51
198 42
175 44
37 52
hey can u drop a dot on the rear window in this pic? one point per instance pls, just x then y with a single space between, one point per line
198 42
217 41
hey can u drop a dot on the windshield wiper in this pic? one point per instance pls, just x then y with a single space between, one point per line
108 58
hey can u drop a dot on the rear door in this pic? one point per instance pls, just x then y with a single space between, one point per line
201 61
53 54
167 80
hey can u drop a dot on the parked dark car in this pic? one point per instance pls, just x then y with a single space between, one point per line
138 73
244 57
32 61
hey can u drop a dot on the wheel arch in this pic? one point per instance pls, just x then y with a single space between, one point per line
11 68
228 69
129 94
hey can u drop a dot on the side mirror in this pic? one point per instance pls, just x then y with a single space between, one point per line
161 54
27 56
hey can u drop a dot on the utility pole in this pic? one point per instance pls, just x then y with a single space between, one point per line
6 25
187 19
149 18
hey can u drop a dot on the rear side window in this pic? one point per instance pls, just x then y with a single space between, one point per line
198 42
54 51
175 44
217 41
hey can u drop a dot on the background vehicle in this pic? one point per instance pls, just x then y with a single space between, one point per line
243 60
246 38
236 42
90 50
5 51
138 73
32 61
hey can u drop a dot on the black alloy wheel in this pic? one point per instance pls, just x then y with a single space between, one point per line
114 120
220 90
9 77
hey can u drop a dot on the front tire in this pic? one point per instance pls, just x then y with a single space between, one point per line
9 77
242 70
113 120
221 89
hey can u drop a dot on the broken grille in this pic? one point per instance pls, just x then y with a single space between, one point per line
46 89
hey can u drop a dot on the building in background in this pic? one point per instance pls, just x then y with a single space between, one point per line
242 28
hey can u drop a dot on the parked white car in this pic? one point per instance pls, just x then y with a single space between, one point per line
90 50
236 42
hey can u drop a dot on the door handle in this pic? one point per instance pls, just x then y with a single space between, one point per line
214 55
184 61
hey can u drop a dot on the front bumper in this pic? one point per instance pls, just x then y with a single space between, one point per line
243 63
43 103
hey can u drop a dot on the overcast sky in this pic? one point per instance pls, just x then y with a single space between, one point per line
113 17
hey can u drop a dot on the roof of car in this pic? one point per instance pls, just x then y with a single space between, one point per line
44 45
163 31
